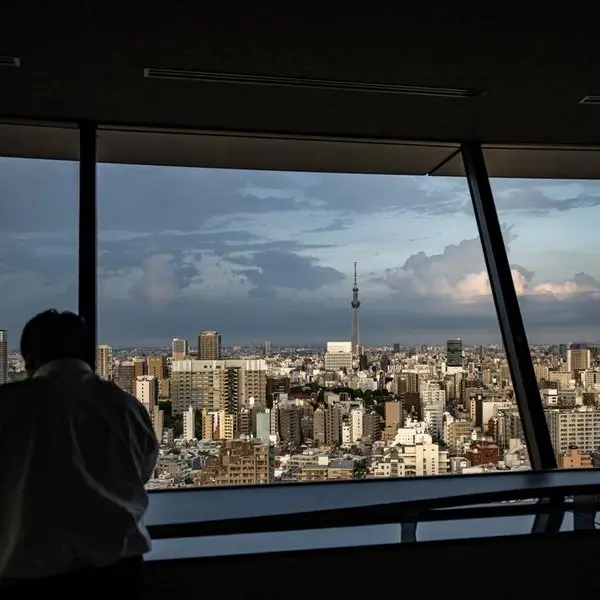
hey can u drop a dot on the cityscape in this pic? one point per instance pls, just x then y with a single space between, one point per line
236 313
239 415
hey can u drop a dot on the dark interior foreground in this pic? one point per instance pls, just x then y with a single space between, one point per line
510 567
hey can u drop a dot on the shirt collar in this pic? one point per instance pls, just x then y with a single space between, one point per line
62 365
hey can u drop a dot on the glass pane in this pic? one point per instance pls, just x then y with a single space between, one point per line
550 230
38 247
225 306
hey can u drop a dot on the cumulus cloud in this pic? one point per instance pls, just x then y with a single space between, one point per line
158 282
459 273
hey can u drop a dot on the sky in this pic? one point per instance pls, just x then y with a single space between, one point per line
261 255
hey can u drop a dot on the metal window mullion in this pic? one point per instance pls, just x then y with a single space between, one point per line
87 280
529 402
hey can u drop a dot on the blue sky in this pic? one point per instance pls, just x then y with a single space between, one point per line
268 255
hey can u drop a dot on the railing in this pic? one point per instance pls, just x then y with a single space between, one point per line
205 521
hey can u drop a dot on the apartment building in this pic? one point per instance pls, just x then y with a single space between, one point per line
240 462
412 461
579 428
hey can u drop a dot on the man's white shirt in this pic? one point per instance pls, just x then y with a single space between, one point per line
75 454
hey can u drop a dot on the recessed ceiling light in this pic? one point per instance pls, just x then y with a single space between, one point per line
590 100
10 61
320 84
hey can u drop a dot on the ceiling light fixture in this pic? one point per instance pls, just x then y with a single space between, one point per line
10 61
590 100
316 84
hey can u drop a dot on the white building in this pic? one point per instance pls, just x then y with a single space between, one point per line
146 391
338 356
189 424
412 461
346 434
337 347
357 417
414 432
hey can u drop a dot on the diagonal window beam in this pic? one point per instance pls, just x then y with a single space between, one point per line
535 427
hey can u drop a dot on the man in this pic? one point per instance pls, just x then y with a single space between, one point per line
75 454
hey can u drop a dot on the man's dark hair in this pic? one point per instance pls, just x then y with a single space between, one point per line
52 335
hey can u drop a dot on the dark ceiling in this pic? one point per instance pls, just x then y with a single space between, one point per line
87 63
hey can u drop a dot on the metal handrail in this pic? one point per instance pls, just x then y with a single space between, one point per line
341 504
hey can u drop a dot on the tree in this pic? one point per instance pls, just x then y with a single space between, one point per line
177 425
198 429
166 408
340 390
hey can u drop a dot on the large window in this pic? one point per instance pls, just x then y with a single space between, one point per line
550 230
38 247
225 306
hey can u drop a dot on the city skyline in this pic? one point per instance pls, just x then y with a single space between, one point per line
268 255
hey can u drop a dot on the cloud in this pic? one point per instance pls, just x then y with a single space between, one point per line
459 273
279 269
268 255
539 197
162 279
337 224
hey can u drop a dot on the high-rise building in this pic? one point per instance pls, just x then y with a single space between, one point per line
158 422
104 362
179 349
146 391
140 367
157 367
454 353
189 424
394 418
338 356
357 417
3 356
579 428
218 384
578 358
209 345
124 376
289 418
372 426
